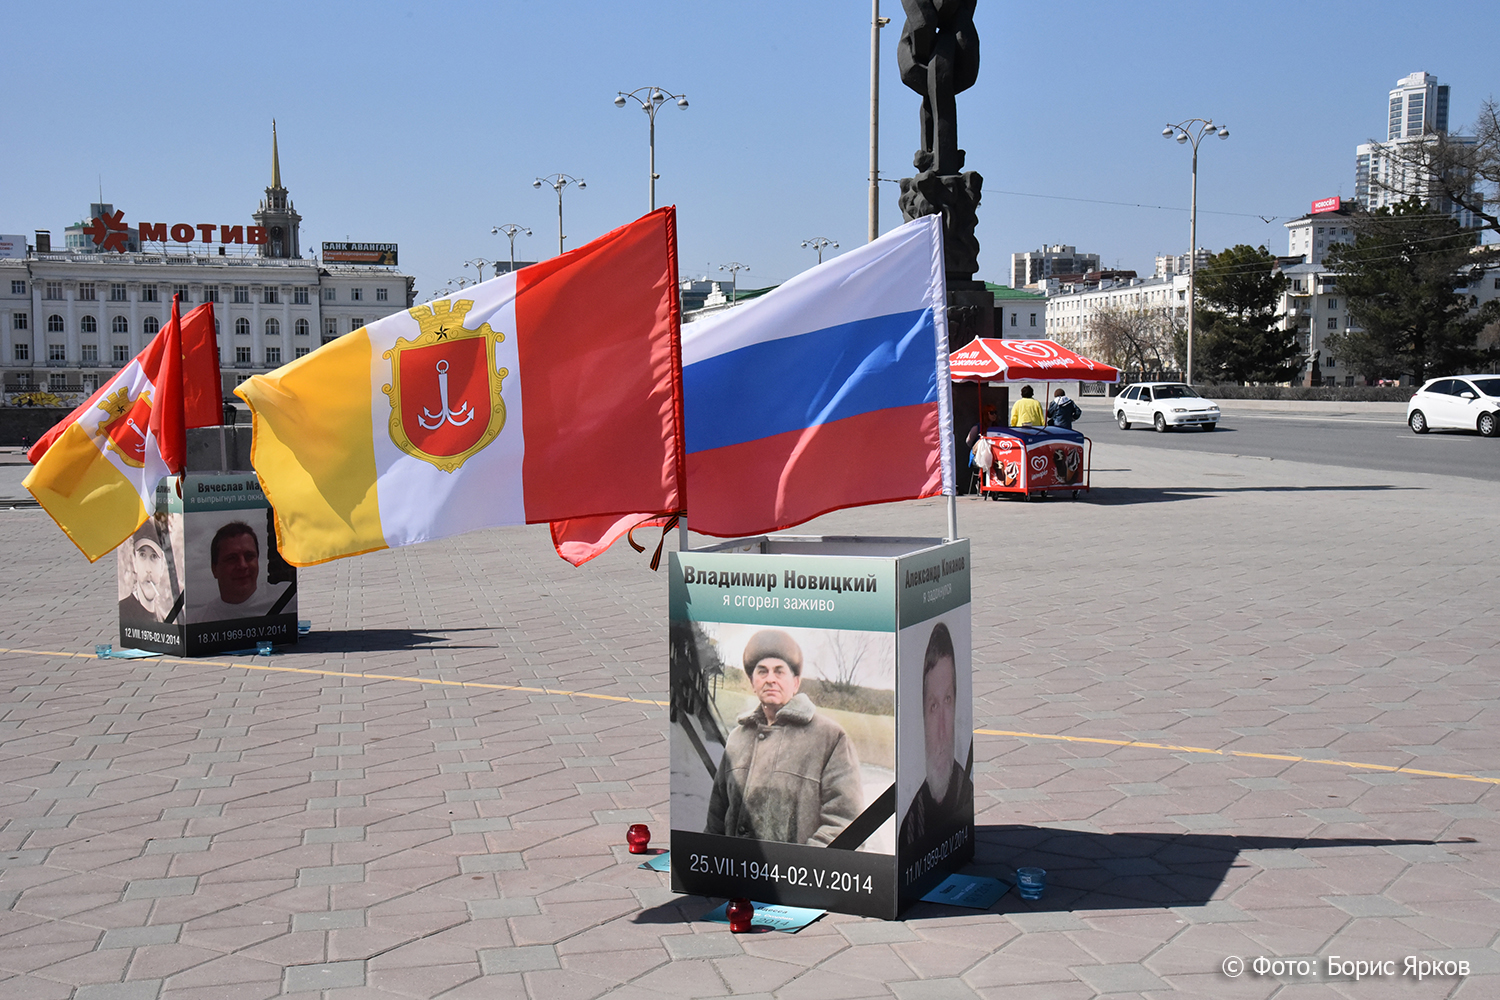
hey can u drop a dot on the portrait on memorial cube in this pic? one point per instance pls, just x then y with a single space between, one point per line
935 792
783 734
234 571
149 572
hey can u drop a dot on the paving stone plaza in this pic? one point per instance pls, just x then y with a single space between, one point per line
1239 709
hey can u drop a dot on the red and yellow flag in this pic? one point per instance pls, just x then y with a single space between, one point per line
96 472
553 394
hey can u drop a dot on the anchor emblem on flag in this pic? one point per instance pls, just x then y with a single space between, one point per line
444 391
444 413
125 423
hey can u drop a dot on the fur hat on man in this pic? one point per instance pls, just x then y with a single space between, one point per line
772 642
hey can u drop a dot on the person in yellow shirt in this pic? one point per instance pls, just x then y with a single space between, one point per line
1027 412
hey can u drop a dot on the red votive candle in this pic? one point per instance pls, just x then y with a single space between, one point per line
638 837
741 913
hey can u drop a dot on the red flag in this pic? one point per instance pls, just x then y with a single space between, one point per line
166 410
580 539
202 390
196 386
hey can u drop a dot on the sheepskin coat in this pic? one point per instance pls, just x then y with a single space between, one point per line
795 781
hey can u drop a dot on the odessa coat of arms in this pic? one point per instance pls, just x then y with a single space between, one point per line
445 388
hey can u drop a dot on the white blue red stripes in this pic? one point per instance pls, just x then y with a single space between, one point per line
804 381
829 392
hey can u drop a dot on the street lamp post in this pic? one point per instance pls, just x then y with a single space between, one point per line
1192 131
876 23
654 99
820 243
510 229
734 267
651 103
558 182
478 264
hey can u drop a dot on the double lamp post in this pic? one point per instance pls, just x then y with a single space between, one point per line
1193 131
650 100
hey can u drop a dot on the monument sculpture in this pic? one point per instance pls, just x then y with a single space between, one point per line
938 56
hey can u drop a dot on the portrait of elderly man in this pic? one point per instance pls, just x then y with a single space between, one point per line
234 559
946 797
788 774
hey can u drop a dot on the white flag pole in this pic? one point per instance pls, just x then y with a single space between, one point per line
939 284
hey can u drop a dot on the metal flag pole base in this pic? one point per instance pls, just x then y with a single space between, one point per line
952 517
682 535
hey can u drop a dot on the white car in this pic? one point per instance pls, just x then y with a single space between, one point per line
1164 405
1470 402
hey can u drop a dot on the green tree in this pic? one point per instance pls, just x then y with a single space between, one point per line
1404 277
1241 342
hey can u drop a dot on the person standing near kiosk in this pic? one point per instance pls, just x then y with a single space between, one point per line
1027 412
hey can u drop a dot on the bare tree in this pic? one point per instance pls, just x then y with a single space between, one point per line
1460 170
1133 339
848 650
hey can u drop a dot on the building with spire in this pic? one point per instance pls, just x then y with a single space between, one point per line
276 215
71 316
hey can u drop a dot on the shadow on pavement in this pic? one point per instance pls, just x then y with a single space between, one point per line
1137 428
682 910
1129 495
1107 871
1094 871
376 640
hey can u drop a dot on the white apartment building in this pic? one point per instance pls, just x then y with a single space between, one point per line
1311 236
1312 307
1071 309
1418 106
1417 110
1035 266
1170 264
71 318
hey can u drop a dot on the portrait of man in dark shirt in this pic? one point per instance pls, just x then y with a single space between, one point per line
946 798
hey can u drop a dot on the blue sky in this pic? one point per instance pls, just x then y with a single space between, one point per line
425 124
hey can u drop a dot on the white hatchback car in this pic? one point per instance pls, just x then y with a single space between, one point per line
1470 402
1164 405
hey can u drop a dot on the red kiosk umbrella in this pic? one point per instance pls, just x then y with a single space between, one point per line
990 359
987 359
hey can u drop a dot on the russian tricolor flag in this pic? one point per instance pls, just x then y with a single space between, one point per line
829 392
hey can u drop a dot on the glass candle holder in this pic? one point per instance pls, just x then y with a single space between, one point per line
262 649
741 914
104 649
1031 882
638 837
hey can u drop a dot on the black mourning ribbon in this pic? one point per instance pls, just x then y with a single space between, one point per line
867 822
666 529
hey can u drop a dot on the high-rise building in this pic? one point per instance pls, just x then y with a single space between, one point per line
1390 172
1170 264
1418 106
1038 265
